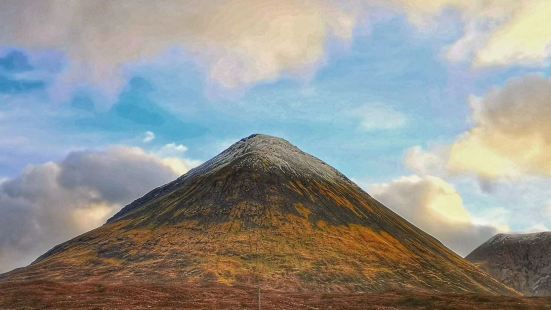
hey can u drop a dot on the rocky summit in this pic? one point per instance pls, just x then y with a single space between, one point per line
263 214
522 261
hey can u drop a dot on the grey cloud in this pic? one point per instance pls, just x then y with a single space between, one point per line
511 136
50 203
114 174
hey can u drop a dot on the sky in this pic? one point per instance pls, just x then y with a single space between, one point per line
440 109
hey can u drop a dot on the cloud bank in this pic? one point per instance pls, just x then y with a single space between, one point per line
50 203
436 207
239 42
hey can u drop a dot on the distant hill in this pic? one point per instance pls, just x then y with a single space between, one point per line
522 261
262 213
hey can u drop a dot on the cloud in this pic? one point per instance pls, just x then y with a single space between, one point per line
239 42
511 136
148 137
518 202
436 207
378 117
427 162
496 32
50 203
172 149
171 155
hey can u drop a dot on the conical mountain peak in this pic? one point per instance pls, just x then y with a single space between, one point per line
253 168
263 212
269 154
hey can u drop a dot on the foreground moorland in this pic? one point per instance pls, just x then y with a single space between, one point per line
50 295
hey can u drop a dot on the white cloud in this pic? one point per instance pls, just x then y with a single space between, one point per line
52 202
497 32
171 155
148 137
172 149
427 162
525 38
378 117
239 42
511 136
436 207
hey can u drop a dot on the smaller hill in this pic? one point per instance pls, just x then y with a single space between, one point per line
521 261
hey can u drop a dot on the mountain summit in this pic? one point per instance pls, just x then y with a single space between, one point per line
261 213
250 176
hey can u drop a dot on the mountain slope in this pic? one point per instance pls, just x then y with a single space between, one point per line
262 213
522 261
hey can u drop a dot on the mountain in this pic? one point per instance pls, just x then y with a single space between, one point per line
261 213
522 261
